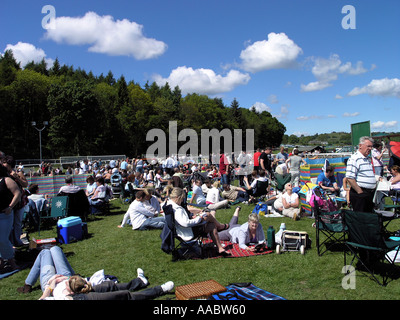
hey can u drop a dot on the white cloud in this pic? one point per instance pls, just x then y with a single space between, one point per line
303 118
391 124
25 52
354 114
379 87
260 107
203 81
381 125
277 52
284 112
105 35
301 133
273 99
315 86
315 117
327 70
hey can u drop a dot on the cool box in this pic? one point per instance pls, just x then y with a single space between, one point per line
69 229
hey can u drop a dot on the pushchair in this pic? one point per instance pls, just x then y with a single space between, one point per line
116 184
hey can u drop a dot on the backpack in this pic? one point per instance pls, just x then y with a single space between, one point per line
261 208
324 202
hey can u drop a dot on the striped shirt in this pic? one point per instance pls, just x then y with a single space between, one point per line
360 169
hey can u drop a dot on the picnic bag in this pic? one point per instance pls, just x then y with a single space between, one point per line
261 209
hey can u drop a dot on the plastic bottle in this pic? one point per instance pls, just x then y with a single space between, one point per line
271 237
278 235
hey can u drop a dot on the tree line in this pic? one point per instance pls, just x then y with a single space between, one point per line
99 115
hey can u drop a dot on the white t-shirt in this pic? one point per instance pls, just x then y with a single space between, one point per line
292 198
278 202
261 179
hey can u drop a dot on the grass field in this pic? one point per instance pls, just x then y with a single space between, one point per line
290 275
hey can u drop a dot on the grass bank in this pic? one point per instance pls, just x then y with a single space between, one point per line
290 275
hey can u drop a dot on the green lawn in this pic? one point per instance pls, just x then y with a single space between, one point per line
291 275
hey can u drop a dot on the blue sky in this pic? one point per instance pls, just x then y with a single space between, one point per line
292 58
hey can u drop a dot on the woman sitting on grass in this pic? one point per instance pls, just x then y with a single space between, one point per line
214 200
188 227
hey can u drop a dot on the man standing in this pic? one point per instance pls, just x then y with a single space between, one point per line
169 165
265 161
224 169
282 156
361 177
256 157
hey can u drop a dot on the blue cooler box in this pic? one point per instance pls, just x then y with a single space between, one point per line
69 229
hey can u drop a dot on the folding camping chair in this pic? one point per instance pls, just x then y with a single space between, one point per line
367 244
33 211
185 249
281 180
78 204
261 189
328 221
59 209
330 224
395 197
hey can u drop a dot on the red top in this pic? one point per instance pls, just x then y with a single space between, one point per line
223 162
255 159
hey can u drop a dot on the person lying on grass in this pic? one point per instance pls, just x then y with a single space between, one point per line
247 234
59 282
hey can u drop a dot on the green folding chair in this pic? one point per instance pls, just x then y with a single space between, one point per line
367 244
395 198
58 209
330 230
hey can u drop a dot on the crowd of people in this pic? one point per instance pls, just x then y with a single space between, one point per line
194 190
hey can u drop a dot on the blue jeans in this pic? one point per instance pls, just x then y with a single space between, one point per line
225 179
6 224
48 263
201 201
153 223
17 227
242 196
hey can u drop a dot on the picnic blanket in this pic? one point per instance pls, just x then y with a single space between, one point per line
245 291
210 251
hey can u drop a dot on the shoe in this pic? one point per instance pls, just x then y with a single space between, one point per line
141 276
295 216
167 287
8 265
25 289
